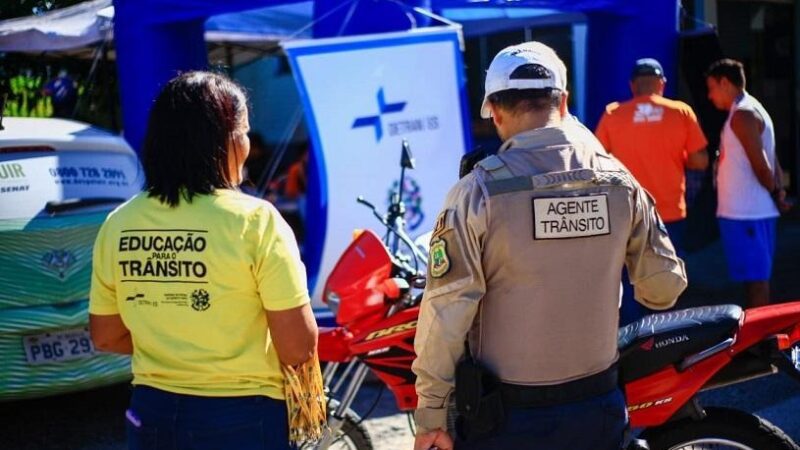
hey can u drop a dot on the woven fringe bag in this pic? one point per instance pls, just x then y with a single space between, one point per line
305 401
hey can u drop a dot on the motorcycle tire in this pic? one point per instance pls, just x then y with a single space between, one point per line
721 428
352 436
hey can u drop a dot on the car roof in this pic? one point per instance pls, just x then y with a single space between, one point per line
61 134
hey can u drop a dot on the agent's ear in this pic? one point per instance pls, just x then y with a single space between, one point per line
562 108
497 115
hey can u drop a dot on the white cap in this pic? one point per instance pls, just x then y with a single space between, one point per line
498 77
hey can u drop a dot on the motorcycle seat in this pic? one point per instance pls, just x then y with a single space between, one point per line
658 340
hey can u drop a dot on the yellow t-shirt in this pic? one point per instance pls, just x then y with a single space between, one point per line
192 284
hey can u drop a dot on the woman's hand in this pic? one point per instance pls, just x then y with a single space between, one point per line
109 334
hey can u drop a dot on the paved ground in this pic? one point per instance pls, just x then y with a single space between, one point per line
93 420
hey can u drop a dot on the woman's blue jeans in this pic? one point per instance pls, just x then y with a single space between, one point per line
160 420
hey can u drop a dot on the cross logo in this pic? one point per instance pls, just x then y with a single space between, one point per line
375 121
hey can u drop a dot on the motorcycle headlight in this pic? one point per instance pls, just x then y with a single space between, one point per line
332 299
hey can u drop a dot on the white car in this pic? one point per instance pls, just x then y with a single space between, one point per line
58 181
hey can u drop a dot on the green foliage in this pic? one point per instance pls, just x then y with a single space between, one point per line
24 76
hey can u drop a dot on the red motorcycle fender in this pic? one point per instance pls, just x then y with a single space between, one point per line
762 322
334 344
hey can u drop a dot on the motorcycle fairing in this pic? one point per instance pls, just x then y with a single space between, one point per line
666 391
388 349
356 279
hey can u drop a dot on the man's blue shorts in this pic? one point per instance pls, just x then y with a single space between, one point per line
749 247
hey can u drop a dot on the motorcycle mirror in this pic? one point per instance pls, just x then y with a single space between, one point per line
406 159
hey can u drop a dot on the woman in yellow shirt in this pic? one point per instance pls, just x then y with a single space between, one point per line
200 283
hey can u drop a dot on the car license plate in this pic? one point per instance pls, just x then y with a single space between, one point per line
57 346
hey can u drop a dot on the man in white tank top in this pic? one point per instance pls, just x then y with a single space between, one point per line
750 195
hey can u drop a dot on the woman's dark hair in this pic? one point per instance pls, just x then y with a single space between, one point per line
526 100
192 123
727 68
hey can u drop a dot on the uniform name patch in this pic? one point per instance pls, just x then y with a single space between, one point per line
570 217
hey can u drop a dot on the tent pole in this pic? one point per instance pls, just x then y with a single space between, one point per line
114 95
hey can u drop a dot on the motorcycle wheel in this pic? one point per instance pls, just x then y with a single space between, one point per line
352 435
721 429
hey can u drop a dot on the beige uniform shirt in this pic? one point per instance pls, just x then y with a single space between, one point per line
525 263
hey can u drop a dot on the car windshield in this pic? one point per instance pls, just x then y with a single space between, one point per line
57 182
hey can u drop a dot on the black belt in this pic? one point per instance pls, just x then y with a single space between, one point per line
520 396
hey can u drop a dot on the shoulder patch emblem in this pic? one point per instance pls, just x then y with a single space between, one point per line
440 261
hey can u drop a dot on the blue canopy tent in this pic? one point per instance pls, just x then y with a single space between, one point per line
157 38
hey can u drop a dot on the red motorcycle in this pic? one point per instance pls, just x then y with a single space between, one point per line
666 359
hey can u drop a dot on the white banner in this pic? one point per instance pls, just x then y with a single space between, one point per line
364 95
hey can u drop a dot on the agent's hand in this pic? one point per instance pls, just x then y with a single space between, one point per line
433 439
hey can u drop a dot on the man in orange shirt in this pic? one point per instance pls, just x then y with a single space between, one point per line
657 139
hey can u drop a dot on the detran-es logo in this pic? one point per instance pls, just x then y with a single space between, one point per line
375 121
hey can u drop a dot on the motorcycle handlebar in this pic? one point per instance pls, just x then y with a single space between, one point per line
372 207
398 231
363 201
